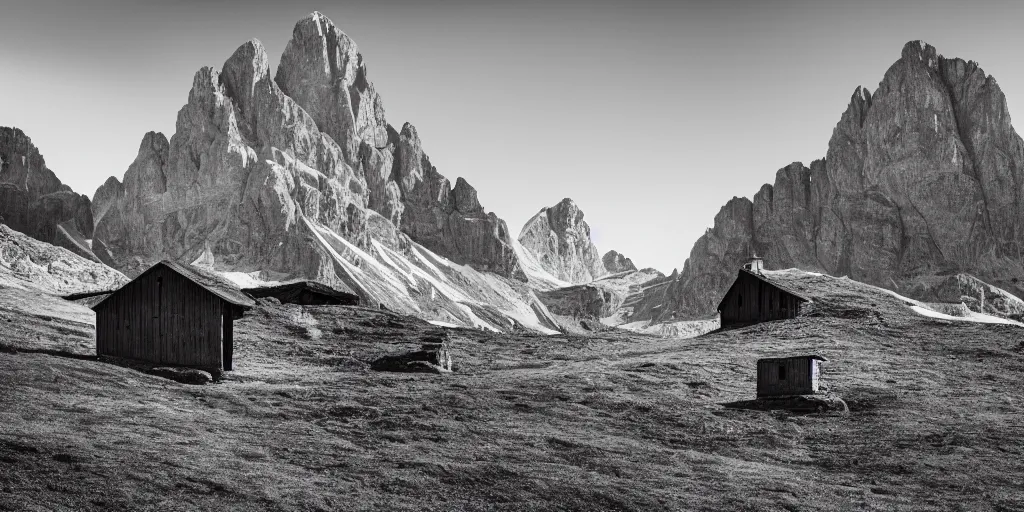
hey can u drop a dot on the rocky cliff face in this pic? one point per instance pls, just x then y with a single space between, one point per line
923 177
253 153
34 202
560 239
615 262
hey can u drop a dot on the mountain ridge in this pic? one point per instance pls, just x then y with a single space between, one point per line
297 173
34 201
922 177
329 132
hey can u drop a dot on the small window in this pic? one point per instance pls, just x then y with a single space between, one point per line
740 300
782 372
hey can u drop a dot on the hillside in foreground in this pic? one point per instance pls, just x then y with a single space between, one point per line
614 422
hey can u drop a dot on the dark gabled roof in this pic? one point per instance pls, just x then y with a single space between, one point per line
209 281
767 279
212 282
786 280
86 295
339 290
92 300
776 283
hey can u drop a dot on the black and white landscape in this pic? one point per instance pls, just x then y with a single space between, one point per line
285 304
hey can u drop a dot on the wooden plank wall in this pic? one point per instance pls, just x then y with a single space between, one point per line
797 382
753 300
162 317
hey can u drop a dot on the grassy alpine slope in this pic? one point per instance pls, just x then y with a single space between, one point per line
614 422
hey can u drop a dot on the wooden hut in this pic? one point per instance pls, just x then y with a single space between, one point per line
171 314
755 297
306 293
787 376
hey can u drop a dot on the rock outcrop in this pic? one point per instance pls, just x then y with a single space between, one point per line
923 177
31 264
182 375
975 294
34 202
615 262
621 299
582 300
253 153
560 239
434 356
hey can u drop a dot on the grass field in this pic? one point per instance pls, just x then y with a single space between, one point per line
618 421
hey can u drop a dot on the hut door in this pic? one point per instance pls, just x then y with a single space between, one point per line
156 331
227 338
159 305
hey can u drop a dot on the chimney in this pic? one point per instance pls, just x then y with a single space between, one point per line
755 264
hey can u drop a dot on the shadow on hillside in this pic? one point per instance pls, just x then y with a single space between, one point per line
10 349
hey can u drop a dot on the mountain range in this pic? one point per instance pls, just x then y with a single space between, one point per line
299 174
922 181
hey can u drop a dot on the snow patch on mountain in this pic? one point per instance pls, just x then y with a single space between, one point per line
416 281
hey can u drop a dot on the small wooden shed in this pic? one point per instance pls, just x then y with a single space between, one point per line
307 293
787 376
172 314
754 297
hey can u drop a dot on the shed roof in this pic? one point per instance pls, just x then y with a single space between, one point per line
91 300
338 290
86 295
784 358
209 281
770 278
777 280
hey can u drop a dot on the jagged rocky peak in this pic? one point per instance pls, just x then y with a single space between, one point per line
146 177
33 200
108 193
323 71
256 161
923 177
560 239
466 200
920 51
860 104
246 80
616 262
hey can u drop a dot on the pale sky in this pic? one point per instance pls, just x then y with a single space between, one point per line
649 114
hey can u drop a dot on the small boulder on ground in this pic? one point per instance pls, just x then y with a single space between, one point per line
182 375
434 356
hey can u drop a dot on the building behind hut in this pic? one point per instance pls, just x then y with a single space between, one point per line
307 293
755 297
171 314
